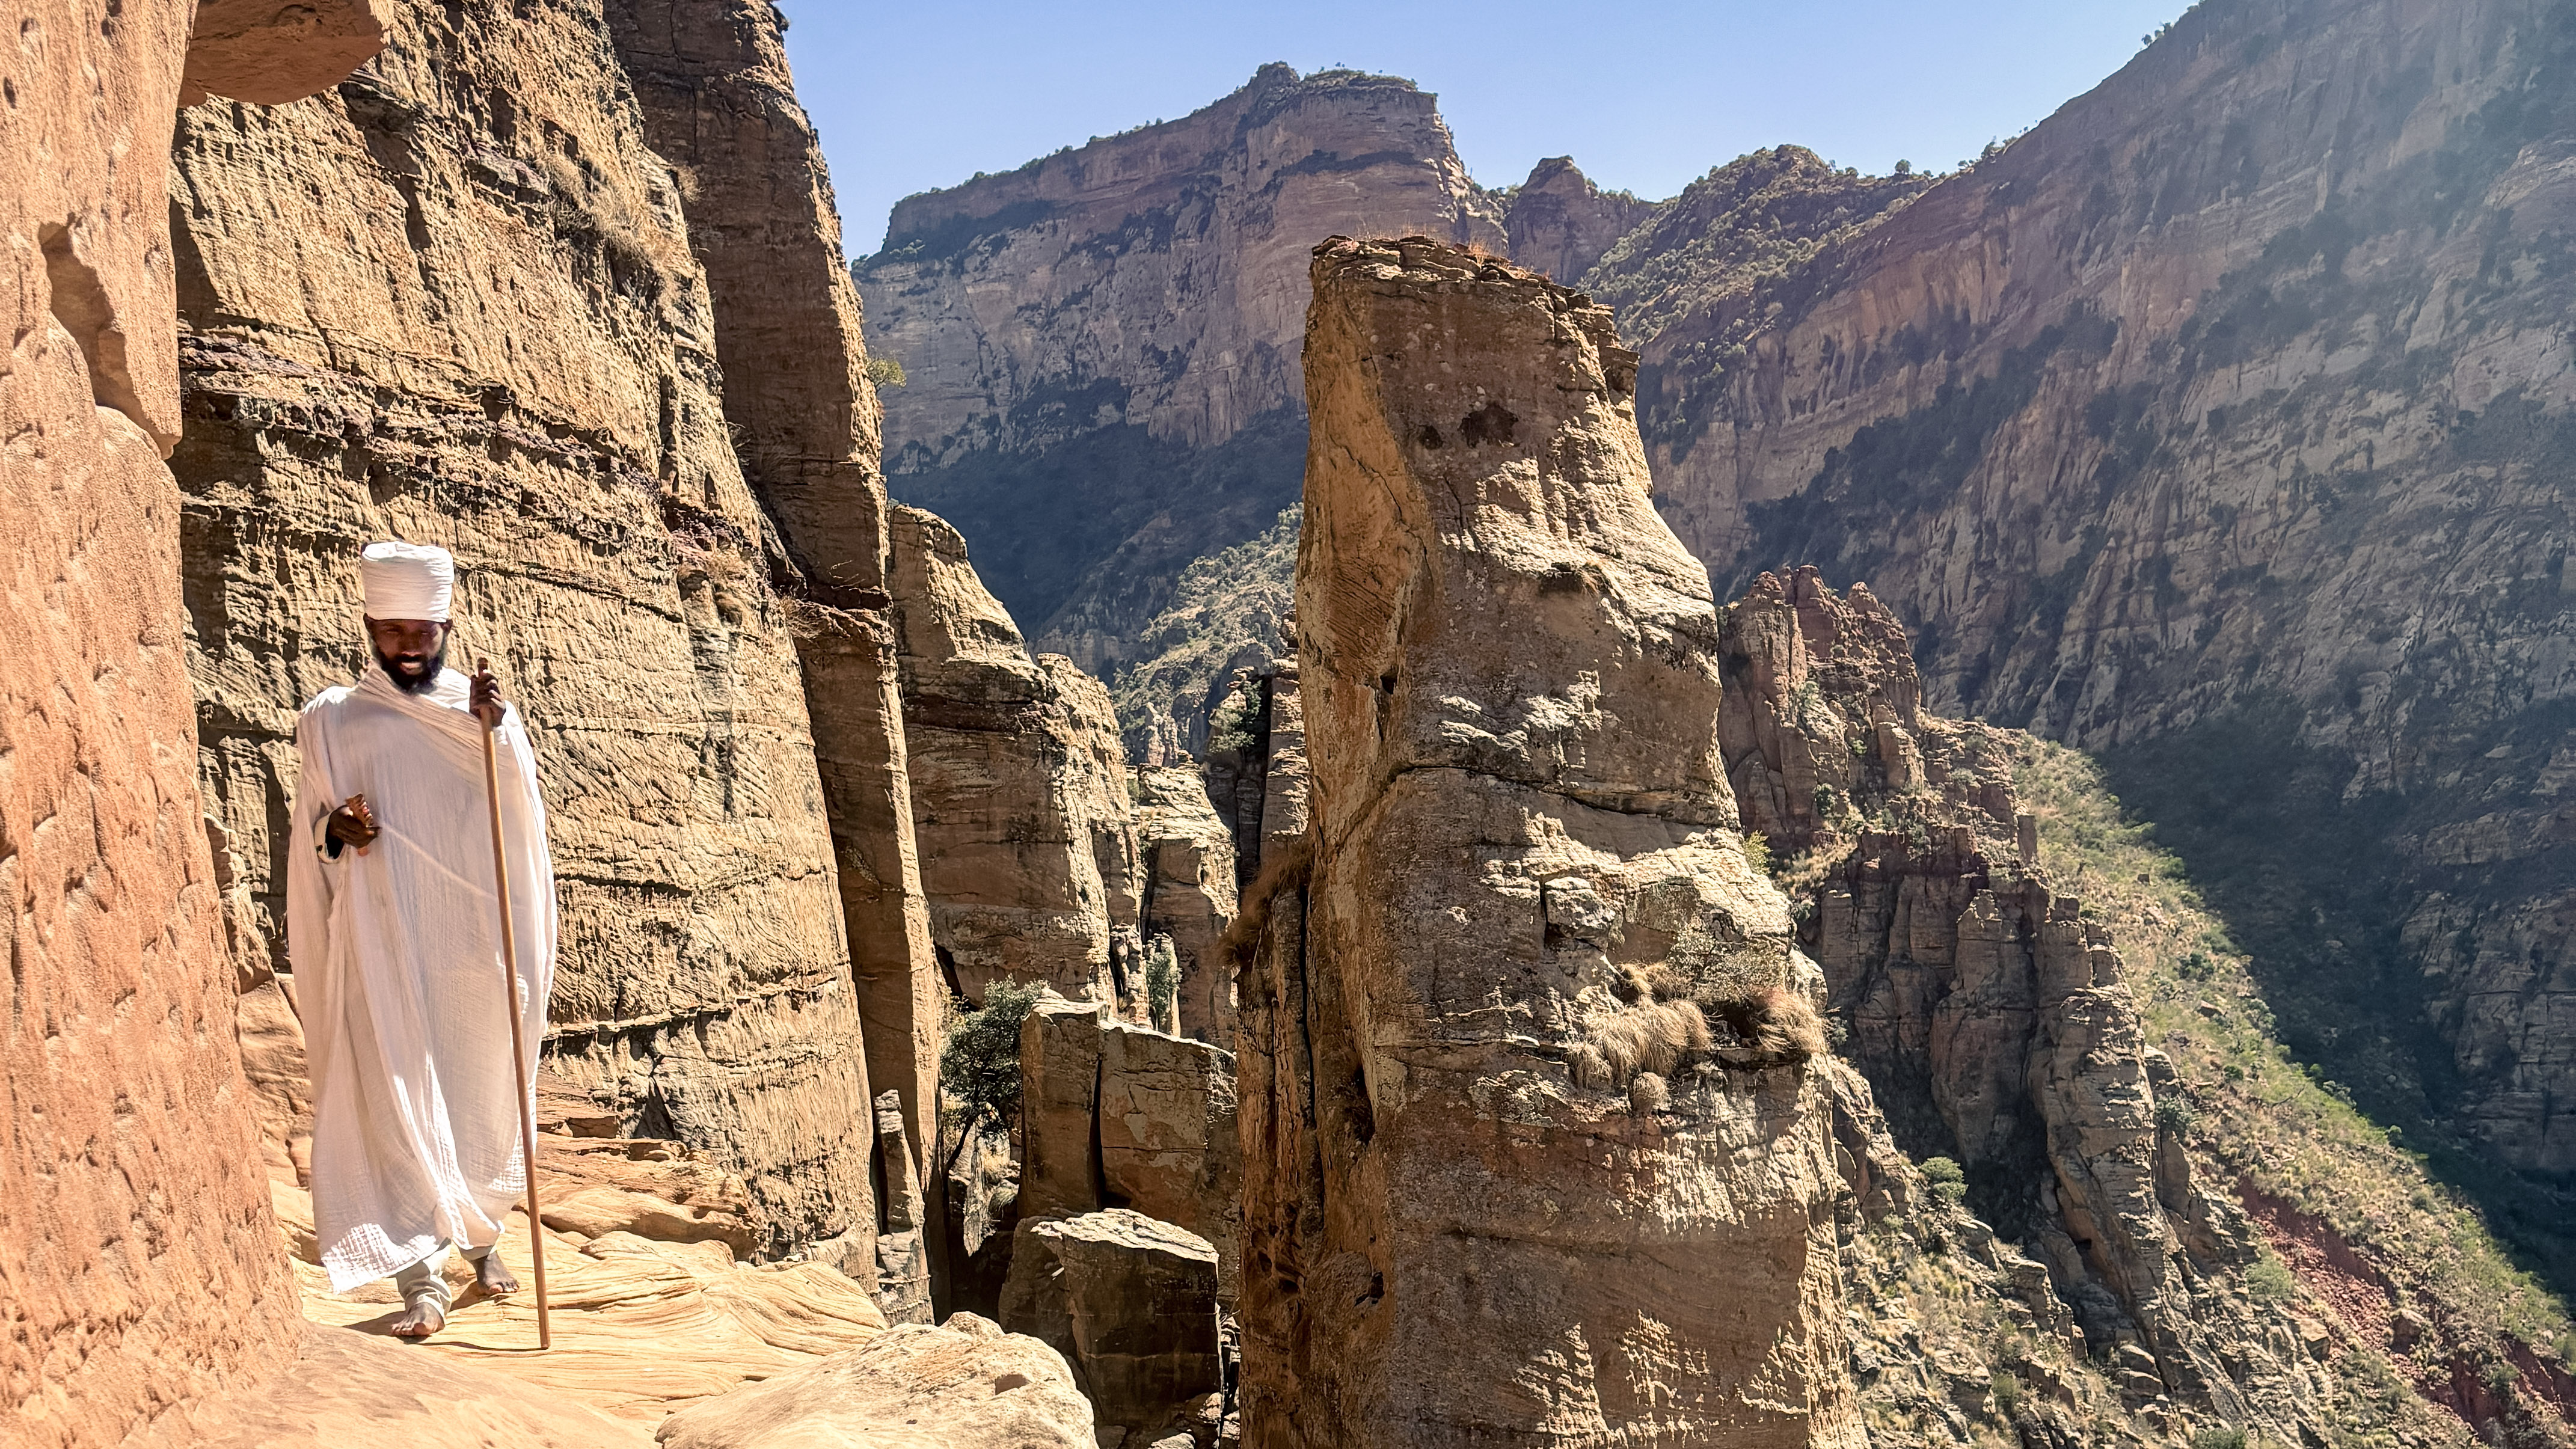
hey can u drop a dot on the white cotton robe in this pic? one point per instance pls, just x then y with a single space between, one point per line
397 963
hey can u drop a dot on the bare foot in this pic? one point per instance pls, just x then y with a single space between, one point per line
493 1276
423 1320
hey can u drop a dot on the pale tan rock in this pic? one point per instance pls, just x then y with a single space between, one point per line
1131 1303
720 104
1186 857
408 316
136 1235
270 52
1060 1052
1526 886
1155 281
965 1384
1168 1142
1018 782
903 1222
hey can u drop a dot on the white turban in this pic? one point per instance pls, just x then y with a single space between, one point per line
407 581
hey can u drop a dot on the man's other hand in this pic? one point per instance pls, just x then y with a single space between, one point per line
354 823
488 703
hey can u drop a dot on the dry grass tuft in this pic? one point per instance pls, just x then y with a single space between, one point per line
1648 1093
1286 871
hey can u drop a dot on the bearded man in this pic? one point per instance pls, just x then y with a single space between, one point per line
393 930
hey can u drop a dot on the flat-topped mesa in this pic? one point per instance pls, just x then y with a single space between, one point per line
1533 1148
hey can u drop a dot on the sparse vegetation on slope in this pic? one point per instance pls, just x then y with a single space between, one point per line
1224 614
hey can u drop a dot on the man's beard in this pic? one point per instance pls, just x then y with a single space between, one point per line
428 677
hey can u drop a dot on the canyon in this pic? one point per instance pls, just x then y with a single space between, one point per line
1447 911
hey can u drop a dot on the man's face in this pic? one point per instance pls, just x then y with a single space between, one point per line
411 650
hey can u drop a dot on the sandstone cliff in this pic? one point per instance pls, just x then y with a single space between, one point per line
1019 783
2225 410
456 301
1525 1053
1560 223
1102 345
135 1234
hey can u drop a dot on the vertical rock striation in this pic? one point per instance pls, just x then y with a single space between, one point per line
1102 345
1533 1148
1019 782
720 105
1186 863
136 1240
2219 423
455 301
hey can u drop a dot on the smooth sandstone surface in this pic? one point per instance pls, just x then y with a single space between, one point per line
1463 1215
455 301
1186 864
136 1240
962 1385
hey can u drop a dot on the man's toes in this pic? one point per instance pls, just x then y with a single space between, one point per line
421 1322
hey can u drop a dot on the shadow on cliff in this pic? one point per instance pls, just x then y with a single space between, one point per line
2315 887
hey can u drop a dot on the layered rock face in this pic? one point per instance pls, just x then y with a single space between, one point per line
1019 782
455 301
2225 409
1185 856
135 1235
720 106
1993 1016
1524 1067
1560 223
1102 345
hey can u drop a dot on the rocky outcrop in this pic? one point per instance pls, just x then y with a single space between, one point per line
1102 345
1994 1017
720 106
2216 423
1186 861
981 1387
1019 789
1060 1044
1560 223
1132 1305
270 52
409 314
135 1233
1526 1051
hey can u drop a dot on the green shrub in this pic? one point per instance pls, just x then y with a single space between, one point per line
2007 1391
979 1065
1757 849
2218 1439
1163 985
2175 1115
2270 1281
1949 1181
885 371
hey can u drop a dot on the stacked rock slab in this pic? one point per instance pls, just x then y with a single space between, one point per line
1990 1015
1019 789
1185 858
1510 1172
135 1235
1131 1302
720 104
455 301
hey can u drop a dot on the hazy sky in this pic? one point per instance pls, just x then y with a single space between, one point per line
1644 96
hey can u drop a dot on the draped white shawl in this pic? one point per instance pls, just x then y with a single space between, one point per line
398 968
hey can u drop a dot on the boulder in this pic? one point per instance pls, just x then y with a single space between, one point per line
1060 1050
963 1385
1131 1302
1168 1145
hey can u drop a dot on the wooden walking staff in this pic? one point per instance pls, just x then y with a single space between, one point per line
518 1031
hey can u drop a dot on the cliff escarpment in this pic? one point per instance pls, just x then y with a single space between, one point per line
456 300
2217 425
1101 347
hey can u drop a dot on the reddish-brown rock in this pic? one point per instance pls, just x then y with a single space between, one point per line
136 1241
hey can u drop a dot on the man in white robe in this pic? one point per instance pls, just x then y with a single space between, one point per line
393 929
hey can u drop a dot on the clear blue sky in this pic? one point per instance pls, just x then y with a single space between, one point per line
1644 96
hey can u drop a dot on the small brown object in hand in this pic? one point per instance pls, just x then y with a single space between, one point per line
487 703
354 823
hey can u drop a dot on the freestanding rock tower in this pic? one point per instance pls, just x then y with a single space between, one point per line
1533 1150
